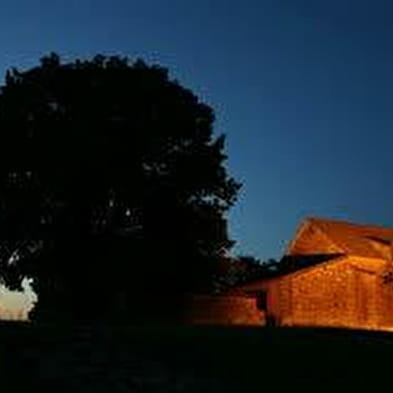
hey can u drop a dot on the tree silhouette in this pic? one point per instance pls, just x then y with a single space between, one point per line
244 268
113 189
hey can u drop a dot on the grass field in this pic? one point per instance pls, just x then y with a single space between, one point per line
191 359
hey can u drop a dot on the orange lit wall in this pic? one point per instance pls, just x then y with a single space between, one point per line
347 293
224 310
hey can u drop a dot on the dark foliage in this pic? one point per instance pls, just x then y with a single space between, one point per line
112 188
244 268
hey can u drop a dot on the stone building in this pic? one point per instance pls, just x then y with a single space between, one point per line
333 274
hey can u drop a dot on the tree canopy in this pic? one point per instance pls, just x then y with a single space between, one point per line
244 268
112 186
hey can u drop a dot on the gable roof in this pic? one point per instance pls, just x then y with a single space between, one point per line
347 238
289 266
325 241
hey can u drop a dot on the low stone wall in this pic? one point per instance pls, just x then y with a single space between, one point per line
224 310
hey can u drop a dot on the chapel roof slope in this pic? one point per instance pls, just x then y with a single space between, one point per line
355 239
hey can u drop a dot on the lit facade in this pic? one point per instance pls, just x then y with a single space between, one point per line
339 275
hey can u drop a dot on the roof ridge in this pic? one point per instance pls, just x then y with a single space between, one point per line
346 222
326 235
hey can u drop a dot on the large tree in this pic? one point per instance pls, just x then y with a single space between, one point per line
112 186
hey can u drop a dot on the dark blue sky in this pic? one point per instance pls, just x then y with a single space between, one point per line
303 90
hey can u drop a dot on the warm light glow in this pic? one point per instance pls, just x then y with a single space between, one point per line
16 305
352 289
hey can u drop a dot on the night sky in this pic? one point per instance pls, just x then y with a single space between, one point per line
302 89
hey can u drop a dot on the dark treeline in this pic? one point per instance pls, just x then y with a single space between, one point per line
113 189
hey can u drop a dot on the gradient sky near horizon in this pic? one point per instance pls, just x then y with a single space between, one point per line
303 89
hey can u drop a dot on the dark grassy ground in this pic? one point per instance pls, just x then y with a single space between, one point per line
191 359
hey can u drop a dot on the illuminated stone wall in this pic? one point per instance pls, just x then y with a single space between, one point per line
350 293
321 296
224 310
